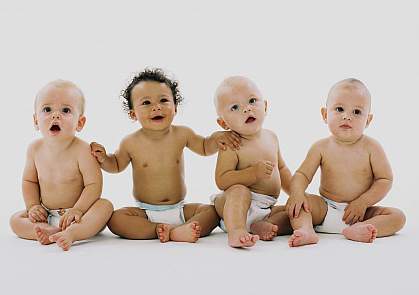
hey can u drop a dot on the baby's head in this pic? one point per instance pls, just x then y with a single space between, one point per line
347 111
152 99
59 109
240 106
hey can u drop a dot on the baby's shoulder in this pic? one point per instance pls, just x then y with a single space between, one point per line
35 145
81 147
271 135
371 144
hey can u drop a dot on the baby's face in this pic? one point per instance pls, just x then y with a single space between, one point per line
58 112
153 105
347 113
241 108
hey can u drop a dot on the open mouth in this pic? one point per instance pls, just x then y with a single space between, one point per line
250 120
55 128
157 118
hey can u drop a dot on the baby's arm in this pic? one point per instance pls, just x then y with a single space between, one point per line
284 173
92 182
300 181
112 163
383 180
226 174
30 189
211 144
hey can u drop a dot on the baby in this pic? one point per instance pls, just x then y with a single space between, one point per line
62 182
251 176
355 175
155 152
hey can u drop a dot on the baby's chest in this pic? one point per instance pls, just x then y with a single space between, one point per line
356 162
162 155
249 156
58 171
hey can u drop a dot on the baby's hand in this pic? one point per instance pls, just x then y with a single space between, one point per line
263 169
98 151
229 139
37 213
294 205
71 215
355 211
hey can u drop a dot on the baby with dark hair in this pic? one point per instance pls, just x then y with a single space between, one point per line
155 152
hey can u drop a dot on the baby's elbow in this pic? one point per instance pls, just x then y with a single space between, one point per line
221 184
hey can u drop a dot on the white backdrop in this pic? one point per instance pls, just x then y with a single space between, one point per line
293 51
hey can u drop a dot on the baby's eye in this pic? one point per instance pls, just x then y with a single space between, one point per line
164 100
66 110
145 102
46 109
339 109
252 100
234 107
357 112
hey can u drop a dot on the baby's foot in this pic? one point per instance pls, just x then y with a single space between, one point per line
163 232
188 232
265 230
63 239
241 238
43 233
361 232
302 237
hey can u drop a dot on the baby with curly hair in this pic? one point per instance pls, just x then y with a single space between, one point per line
62 182
155 152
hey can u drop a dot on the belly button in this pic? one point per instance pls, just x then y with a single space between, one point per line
177 161
145 165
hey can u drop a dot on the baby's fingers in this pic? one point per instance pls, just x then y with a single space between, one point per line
306 206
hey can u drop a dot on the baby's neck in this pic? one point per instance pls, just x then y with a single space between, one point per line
342 142
156 134
251 137
58 145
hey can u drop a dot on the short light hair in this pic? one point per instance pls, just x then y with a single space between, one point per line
59 83
351 83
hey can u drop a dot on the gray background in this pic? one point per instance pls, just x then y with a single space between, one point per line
294 51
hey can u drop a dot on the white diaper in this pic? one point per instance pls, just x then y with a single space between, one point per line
260 207
332 223
54 216
169 214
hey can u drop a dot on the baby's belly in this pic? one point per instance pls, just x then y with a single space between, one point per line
267 187
344 194
64 197
160 194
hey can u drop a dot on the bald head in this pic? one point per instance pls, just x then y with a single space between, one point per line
63 85
233 86
352 85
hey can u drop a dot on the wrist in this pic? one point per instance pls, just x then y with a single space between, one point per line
29 207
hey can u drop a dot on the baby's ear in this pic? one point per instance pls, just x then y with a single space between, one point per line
131 115
323 111
222 123
35 122
266 105
80 123
370 116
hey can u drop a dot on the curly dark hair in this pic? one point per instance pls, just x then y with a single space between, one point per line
156 75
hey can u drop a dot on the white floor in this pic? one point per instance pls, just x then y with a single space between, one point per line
109 265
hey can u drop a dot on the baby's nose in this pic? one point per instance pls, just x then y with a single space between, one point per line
157 107
56 115
347 116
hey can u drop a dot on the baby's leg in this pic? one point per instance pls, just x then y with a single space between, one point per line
378 222
233 207
91 223
205 215
277 223
304 233
132 223
26 229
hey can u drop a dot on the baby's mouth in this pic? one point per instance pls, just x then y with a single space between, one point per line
157 118
250 120
345 126
55 128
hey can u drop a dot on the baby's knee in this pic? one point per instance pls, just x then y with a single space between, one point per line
399 215
14 219
238 191
106 204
